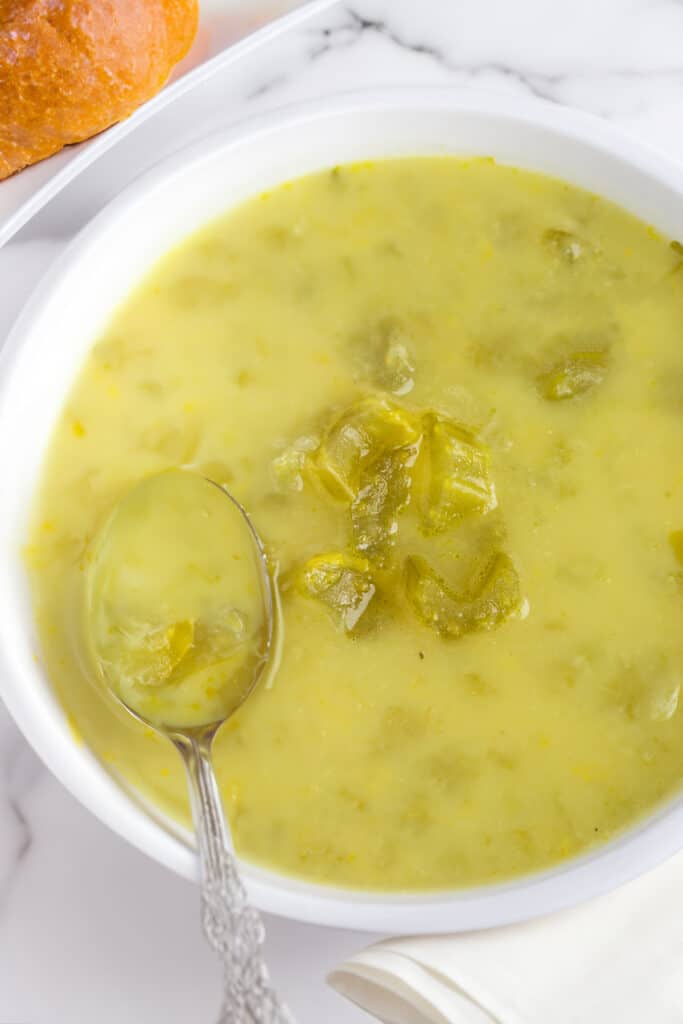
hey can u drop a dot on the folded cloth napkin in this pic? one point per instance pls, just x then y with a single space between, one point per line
615 959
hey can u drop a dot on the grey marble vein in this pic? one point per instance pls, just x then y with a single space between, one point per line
353 24
20 771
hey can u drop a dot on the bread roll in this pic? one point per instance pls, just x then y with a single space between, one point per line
70 68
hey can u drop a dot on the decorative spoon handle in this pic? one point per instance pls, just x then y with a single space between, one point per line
232 928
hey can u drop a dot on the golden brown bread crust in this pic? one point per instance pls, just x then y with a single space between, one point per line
70 68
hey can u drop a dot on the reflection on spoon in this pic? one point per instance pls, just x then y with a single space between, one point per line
178 624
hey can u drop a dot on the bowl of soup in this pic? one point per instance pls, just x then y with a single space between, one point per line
433 342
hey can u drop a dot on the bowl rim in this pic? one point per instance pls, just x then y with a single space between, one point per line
636 850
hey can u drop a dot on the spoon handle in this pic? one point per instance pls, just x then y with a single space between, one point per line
232 928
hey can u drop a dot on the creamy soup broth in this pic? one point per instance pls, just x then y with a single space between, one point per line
439 727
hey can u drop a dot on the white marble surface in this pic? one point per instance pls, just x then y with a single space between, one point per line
90 930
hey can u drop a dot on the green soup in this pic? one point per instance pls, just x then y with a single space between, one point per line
451 396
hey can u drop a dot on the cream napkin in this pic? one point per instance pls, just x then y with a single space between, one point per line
615 960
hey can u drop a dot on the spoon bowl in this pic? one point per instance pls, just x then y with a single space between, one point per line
178 604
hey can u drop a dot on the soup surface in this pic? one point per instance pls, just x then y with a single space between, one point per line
451 396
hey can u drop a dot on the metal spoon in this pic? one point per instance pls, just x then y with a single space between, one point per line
179 624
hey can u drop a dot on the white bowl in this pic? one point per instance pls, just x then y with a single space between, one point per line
53 335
